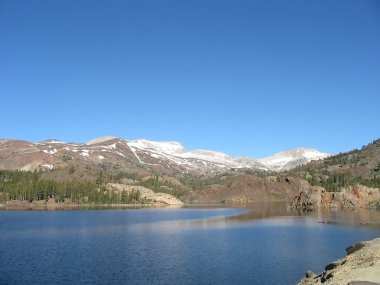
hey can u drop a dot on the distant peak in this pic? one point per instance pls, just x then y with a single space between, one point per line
300 150
100 140
52 141
281 159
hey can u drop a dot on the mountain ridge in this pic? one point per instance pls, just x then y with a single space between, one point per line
145 154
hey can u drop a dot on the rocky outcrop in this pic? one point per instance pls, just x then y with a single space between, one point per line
374 205
146 193
353 196
360 266
308 199
313 198
164 198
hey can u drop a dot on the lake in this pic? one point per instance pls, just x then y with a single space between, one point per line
258 245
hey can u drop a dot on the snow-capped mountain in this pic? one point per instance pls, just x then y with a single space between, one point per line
281 161
132 155
175 151
289 159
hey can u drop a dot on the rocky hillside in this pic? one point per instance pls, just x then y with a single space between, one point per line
245 188
345 180
344 169
361 266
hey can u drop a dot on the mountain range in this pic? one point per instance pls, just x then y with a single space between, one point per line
118 154
94 172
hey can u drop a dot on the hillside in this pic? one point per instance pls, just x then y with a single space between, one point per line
344 169
332 174
246 188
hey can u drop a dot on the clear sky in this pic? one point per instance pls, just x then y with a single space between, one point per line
243 77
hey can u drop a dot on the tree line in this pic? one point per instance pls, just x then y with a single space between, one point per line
29 186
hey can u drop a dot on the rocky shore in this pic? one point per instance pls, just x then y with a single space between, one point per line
44 205
361 266
51 204
313 198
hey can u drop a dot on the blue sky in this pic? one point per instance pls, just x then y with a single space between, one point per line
243 77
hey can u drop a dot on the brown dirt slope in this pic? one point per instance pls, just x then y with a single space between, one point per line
246 188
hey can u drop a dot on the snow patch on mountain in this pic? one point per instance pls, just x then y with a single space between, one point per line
119 153
85 152
48 166
53 151
212 156
171 147
134 152
53 141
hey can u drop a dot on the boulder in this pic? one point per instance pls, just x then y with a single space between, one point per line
310 274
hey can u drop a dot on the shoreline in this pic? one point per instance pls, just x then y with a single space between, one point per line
52 206
360 266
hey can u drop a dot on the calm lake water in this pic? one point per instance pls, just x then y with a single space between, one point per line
173 246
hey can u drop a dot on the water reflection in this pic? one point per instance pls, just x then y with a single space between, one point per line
274 213
349 217
188 219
